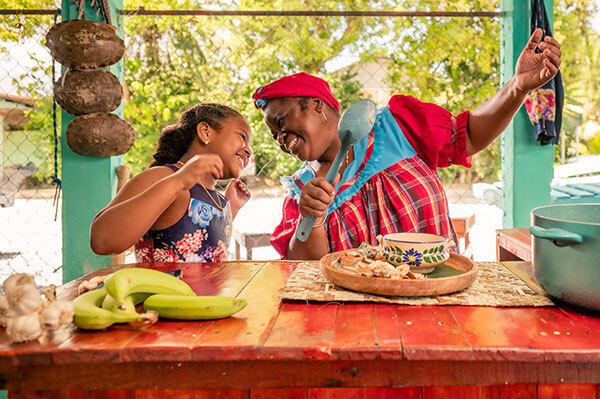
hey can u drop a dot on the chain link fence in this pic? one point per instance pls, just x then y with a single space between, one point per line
177 58
30 232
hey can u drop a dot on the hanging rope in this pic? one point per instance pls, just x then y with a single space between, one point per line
102 7
55 179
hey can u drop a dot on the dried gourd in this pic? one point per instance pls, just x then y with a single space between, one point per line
99 135
83 45
87 92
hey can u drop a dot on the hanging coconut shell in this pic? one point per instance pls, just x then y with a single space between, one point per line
99 135
86 92
80 44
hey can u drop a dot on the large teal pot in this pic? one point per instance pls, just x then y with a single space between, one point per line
566 252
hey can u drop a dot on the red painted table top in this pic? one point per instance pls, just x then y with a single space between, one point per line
284 344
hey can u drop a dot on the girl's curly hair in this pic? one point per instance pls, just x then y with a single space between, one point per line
175 140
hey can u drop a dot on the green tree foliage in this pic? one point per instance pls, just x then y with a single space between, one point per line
15 28
580 65
175 62
33 84
453 63
41 130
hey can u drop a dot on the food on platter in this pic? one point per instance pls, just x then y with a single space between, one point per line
367 261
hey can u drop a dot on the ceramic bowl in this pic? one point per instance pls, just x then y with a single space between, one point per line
421 251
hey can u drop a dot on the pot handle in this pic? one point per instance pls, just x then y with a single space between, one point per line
559 237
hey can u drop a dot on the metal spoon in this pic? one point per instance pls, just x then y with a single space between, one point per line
355 124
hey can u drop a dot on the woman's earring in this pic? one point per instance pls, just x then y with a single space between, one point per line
324 116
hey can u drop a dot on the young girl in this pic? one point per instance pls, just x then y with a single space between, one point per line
388 181
171 212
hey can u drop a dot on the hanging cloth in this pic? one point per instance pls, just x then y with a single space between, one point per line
544 105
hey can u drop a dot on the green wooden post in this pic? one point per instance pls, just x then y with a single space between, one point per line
88 183
527 167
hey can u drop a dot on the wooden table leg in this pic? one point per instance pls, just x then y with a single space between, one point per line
462 225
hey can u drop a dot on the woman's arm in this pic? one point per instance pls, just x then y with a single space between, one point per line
488 121
317 194
134 210
315 247
533 70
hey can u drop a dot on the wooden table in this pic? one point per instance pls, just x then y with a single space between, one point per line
275 349
513 244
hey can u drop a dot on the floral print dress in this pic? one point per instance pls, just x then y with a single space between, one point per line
201 235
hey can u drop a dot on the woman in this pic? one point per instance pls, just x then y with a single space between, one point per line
388 181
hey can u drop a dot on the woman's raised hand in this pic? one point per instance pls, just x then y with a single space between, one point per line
198 166
535 69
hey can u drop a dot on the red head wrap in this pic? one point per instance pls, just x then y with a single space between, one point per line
297 85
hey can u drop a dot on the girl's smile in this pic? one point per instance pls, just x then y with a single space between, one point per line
232 144
242 158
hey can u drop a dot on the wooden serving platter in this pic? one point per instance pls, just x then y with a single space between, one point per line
457 273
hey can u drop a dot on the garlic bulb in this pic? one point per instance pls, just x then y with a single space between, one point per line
17 280
5 311
22 294
24 299
56 314
24 328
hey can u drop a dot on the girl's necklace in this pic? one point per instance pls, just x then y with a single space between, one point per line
218 205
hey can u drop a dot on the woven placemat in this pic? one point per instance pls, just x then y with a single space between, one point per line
495 286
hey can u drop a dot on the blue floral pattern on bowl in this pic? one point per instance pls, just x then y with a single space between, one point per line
412 257
421 251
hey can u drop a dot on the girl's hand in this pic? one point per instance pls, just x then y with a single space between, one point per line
316 196
535 69
198 166
238 194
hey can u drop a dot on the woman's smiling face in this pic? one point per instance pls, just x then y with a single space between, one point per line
302 133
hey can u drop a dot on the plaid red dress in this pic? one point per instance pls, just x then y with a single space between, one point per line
392 184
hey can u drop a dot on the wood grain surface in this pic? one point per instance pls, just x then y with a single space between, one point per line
313 348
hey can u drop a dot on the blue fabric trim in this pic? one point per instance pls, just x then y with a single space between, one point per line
360 149
261 102
304 174
390 147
